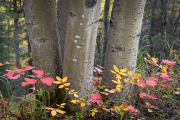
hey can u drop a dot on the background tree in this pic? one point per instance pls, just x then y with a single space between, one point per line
44 37
122 45
80 42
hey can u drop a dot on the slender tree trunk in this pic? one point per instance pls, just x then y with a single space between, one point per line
16 41
163 16
63 12
176 24
80 42
30 64
105 30
40 17
153 9
122 45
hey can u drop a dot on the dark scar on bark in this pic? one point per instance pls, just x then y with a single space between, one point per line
90 3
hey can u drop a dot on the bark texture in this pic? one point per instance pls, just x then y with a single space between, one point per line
122 45
80 43
40 17
105 30
62 15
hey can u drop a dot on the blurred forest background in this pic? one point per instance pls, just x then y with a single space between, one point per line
160 36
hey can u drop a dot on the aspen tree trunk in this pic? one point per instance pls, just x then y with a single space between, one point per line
122 45
62 14
40 17
105 30
80 43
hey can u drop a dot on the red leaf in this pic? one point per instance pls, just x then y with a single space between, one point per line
130 107
39 72
28 67
163 85
141 84
99 70
152 97
23 83
143 95
169 62
47 80
152 78
33 88
31 76
9 74
150 83
15 77
151 106
20 70
30 81
95 97
99 102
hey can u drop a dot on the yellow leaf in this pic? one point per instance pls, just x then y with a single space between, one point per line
119 89
31 55
119 82
111 91
164 69
149 110
63 104
106 94
93 113
75 95
58 78
64 79
60 111
15 69
121 106
74 101
121 73
113 71
48 108
121 112
123 70
88 102
130 73
67 84
115 81
53 112
95 110
118 76
7 63
67 88
57 82
138 80
125 109
154 60
115 68
106 89
61 86
102 92
83 104
1 64
57 105
119 86
126 80
131 81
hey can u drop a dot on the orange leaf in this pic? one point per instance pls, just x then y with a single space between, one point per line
61 86
53 112
64 79
67 84
60 111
